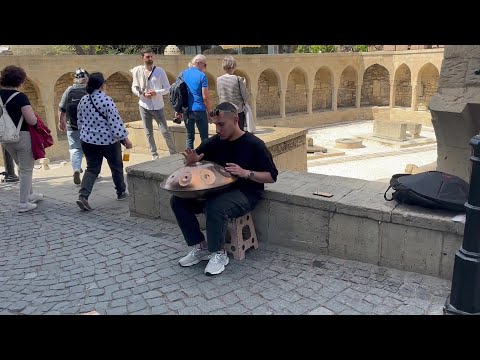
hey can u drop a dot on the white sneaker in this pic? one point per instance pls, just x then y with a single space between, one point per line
217 263
23 207
194 257
33 198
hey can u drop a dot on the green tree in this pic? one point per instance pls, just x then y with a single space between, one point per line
315 48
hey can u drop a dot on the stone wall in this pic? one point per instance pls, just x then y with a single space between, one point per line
322 91
375 86
347 92
403 87
455 109
296 96
356 223
119 88
268 99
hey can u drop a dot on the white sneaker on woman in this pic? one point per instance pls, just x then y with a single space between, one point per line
23 207
33 198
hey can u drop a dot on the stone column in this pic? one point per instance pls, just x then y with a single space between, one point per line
414 98
310 100
253 105
358 99
392 93
334 98
283 93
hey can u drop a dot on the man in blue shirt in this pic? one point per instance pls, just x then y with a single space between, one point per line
198 102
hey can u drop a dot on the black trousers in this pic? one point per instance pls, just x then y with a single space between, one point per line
94 155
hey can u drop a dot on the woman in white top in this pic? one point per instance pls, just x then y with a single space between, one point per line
231 88
101 132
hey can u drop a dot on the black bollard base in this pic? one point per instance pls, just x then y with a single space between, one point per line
449 309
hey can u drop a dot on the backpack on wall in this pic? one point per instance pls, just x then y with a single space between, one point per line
178 95
431 189
9 133
73 98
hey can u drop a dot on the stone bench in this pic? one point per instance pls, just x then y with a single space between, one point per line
394 130
356 223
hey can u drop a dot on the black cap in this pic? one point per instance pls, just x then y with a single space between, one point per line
80 73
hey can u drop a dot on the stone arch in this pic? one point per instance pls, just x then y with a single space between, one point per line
119 88
322 89
268 94
403 86
347 90
243 74
375 86
427 85
62 83
296 95
212 90
33 93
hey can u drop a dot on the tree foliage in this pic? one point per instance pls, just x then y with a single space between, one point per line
103 49
330 48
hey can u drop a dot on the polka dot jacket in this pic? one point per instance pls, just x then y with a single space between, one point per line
94 129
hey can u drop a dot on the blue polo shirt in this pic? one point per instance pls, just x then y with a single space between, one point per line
195 80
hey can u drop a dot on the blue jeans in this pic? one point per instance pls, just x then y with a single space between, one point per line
218 209
94 155
76 152
200 118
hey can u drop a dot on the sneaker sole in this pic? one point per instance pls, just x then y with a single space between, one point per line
219 271
205 258
82 206
36 200
25 210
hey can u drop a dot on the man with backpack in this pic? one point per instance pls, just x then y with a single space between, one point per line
150 83
198 102
67 114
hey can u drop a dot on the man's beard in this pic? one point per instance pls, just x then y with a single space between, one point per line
148 62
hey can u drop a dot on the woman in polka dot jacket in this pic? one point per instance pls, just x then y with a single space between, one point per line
101 132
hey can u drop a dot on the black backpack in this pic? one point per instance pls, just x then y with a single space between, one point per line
431 189
73 98
178 95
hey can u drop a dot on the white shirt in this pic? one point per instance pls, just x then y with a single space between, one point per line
158 82
94 128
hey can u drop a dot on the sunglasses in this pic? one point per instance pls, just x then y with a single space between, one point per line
217 112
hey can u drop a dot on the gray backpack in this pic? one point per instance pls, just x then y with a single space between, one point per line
9 133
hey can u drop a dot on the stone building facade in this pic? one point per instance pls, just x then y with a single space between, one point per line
286 90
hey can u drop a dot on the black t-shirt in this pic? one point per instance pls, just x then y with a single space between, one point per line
248 152
15 105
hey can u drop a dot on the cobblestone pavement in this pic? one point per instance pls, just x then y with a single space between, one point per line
59 260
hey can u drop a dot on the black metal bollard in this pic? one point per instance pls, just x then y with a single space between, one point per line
9 167
465 293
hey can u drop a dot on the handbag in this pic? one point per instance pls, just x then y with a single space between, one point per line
249 123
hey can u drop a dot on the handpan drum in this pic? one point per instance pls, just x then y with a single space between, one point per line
198 180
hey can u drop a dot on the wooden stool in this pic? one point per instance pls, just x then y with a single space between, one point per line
241 236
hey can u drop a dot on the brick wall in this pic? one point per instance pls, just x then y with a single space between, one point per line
375 86
119 88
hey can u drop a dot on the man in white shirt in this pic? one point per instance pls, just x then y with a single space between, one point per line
150 83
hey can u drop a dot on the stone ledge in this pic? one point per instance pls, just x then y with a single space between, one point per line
356 223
